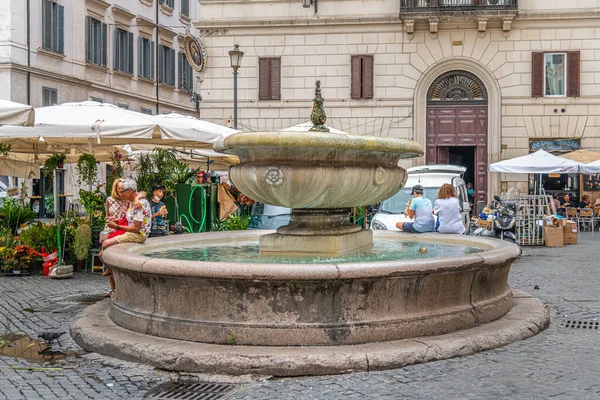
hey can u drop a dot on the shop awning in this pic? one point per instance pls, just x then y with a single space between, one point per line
12 113
583 156
591 168
540 162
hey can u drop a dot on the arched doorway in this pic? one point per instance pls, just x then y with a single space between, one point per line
457 126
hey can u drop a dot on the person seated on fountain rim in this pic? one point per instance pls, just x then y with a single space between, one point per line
421 211
138 223
159 211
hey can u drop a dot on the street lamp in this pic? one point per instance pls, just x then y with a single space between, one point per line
235 56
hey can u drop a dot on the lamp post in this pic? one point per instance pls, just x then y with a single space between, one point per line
235 56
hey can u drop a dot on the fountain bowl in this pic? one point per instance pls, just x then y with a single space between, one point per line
303 305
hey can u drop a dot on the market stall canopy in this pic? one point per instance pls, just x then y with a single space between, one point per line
12 113
591 168
194 158
20 166
583 156
61 127
540 162
305 127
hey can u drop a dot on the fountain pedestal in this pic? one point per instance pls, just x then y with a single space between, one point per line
317 231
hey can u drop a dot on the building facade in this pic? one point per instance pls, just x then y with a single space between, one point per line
473 81
127 53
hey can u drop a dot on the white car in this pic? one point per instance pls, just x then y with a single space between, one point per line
431 177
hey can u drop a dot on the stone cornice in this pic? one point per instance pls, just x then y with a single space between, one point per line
97 8
122 15
145 26
296 22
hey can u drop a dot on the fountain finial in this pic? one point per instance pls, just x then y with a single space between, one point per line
317 116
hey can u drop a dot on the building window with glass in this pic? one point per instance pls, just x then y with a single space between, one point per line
185 7
95 41
166 65
555 74
53 27
146 110
170 3
186 73
146 58
49 96
123 51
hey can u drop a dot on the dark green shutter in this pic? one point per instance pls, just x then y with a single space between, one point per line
116 49
103 49
130 52
60 28
88 39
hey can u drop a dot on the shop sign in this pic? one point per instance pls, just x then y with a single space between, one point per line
555 145
195 53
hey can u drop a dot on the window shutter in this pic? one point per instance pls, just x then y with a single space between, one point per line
275 75
355 77
161 64
537 74
151 51
116 49
367 77
185 7
47 25
103 47
130 52
141 61
574 70
263 79
60 28
173 66
88 39
180 71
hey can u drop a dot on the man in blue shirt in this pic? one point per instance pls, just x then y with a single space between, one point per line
420 211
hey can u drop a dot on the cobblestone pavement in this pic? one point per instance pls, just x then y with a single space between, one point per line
559 363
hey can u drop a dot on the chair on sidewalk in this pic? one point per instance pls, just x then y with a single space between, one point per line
571 214
92 257
586 216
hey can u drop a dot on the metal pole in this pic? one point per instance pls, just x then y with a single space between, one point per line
235 99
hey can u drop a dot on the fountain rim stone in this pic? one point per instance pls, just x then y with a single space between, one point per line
128 256
301 139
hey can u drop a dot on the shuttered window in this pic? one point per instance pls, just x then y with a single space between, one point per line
49 96
166 65
185 7
170 3
555 74
362 77
53 26
95 41
146 110
186 74
269 78
145 58
123 51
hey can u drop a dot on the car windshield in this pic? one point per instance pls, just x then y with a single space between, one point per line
397 203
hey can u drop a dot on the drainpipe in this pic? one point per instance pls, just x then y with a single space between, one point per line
28 52
157 64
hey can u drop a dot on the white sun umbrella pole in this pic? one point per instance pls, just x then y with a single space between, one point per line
12 113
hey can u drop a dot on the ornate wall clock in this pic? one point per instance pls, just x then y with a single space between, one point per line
195 53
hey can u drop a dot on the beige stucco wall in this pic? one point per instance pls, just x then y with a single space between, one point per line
405 64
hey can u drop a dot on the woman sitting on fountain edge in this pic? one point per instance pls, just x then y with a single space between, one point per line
138 220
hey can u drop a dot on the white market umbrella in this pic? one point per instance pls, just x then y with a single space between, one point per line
540 162
12 113
591 168
305 127
185 128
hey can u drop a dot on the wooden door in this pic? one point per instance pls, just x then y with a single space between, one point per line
443 155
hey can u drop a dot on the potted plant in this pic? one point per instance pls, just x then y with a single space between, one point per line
17 260
87 170
81 244
56 160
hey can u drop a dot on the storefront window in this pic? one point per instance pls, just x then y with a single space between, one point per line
555 81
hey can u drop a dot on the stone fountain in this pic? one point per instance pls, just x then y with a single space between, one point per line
320 175
287 316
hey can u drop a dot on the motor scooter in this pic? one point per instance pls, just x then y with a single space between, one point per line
505 220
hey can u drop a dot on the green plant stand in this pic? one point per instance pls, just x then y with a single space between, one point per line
90 261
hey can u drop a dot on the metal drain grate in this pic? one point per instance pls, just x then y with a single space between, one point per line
82 298
191 391
580 324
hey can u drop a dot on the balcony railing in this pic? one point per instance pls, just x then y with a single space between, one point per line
441 6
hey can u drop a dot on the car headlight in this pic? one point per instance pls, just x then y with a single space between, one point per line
376 225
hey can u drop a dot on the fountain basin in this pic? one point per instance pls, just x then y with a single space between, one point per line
317 304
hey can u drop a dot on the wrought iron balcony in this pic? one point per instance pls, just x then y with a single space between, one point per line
451 6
